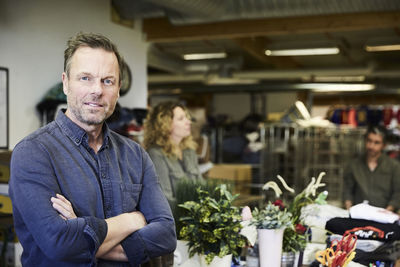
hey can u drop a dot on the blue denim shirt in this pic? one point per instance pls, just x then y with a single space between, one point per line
119 178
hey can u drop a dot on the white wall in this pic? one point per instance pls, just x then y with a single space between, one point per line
33 37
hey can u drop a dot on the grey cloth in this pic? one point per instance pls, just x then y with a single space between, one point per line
381 187
170 170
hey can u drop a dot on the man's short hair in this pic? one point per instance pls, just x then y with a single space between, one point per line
378 129
91 40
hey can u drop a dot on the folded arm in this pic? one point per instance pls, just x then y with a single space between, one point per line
158 237
118 228
34 180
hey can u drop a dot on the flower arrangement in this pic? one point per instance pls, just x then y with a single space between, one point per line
212 225
295 237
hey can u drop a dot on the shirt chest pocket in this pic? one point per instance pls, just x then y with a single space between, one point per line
130 196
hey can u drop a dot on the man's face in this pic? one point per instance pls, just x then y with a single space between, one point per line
374 145
92 87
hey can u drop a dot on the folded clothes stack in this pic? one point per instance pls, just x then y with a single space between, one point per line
377 230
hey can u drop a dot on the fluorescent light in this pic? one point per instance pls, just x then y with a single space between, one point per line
336 87
358 78
217 80
379 48
204 56
303 52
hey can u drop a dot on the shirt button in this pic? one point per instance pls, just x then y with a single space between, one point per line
77 140
103 175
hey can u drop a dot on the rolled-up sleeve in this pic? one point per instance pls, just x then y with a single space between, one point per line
33 182
158 237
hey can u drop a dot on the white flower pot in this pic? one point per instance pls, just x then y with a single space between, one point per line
217 261
270 247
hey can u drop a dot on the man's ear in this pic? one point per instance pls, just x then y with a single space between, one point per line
64 79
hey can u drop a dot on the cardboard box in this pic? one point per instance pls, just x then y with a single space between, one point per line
5 158
238 174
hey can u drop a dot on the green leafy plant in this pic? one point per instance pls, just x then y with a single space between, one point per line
271 217
293 239
186 190
211 225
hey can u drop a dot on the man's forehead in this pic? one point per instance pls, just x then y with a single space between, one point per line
374 136
85 52
86 59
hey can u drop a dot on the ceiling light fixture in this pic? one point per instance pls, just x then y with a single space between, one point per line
200 56
218 80
303 52
358 78
380 48
336 87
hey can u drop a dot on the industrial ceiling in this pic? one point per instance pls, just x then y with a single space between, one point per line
244 29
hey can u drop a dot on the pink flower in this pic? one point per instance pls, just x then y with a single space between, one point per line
246 214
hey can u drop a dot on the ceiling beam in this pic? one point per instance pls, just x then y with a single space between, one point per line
161 30
256 48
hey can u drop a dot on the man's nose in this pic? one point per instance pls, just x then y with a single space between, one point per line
97 87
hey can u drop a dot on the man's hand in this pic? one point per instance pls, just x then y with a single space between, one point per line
117 253
63 206
118 228
348 204
390 208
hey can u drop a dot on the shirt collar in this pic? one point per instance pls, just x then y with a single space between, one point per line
76 133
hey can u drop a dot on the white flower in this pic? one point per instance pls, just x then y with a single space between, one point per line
246 214
249 231
312 187
274 187
285 184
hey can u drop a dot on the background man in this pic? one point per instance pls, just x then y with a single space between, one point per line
83 195
374 176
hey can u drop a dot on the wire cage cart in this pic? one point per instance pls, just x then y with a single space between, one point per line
298 153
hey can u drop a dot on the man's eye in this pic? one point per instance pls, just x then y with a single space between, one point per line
108 82
85 78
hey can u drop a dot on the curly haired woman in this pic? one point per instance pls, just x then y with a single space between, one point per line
168 140
170 145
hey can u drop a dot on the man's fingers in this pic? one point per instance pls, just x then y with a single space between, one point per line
62 198
63 208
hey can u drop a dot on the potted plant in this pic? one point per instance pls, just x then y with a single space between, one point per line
186 190
212 226
295 234
270 223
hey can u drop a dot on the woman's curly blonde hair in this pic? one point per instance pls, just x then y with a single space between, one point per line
157 129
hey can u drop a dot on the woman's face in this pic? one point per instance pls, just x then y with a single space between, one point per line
181 125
